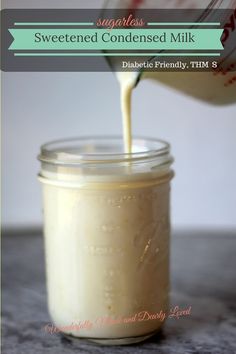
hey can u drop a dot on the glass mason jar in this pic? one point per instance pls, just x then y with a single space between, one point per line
106 227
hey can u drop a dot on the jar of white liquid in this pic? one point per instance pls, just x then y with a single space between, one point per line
107 229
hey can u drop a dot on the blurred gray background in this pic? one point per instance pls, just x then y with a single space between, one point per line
38 107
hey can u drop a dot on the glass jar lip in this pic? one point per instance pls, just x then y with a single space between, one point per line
94 150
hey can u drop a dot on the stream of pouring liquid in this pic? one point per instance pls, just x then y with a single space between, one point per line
127 83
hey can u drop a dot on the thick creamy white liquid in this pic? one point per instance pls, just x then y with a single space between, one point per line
107 256
126 93
127 82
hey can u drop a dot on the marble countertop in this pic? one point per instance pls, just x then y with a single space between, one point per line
203 269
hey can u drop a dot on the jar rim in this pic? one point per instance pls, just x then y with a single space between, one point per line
102 150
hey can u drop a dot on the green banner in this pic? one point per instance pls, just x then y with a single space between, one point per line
116 39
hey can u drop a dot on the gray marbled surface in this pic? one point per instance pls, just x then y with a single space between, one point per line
203 276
